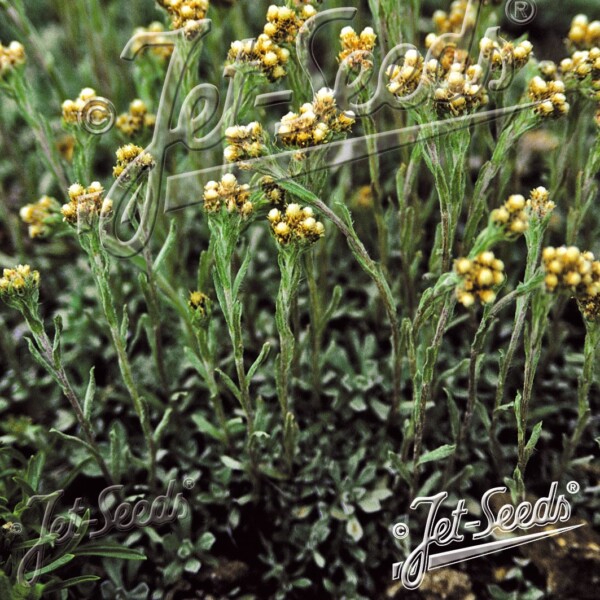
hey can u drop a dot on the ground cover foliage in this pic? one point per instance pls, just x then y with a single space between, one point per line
325 328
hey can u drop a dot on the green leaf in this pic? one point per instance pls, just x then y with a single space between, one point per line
230 385
161 428
27 489
39 358
204 265
371 503
333 304
232 464
354 529
438 454
192 565
124 323
193 359
533 440
402 468
258 362
204 426
118 449
67 583
273 473
90 392
110 551
73 439
241 274
167 247
206 541
80 533
35 466
56 350
453 411
56 564
291 432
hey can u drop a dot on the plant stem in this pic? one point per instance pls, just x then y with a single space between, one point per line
585 382
56 369
98 261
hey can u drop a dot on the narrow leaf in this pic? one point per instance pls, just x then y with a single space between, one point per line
264 353
438 454
59 562
88 402
230 385
167 247
56 349
162 426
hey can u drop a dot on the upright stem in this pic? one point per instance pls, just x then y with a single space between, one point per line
316 325
99 266
289 266
57 370
424 390
586 380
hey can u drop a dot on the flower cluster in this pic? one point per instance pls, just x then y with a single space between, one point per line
283 23
583 34
295 224
264 53
452 22
550 96
11 56
245 142
508 54
460 91
405 79
539 203
512 215
582 63
479 277
200 307
274 193
589 304
36 215
357 49
130 154
184 12
18 282
569 269
228 193
160 47
85 204
576 273
316 122
137 119
548 70
72 110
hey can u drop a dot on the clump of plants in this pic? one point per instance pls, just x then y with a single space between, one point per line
297 271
